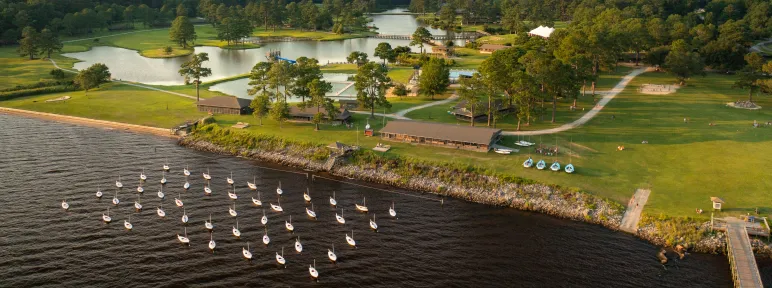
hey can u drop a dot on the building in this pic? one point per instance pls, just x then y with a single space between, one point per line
490 48
542 31
442 51
348 103
716 203
462 112
224 105
307 115
443 135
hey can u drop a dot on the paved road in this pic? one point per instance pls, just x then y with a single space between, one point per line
401 113
757 48
634 209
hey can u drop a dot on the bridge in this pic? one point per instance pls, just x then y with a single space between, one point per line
460 36
745 271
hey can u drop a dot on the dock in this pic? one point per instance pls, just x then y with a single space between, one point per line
460 36
745 271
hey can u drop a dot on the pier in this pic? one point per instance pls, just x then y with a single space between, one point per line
745 271
460 36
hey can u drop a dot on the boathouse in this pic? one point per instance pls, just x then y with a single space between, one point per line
307 115
439 134
490 48
224 105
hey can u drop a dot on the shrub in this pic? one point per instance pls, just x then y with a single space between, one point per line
57 73
168 50
400 89
35 91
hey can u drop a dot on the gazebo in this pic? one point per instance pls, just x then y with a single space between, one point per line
716 203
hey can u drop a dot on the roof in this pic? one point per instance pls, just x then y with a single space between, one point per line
716 199
225 102
493 47
482 108
467 134
296 111
542 31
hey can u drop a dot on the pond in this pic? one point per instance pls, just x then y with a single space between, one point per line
341 88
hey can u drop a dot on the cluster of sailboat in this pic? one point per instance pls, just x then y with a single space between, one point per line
554 167
246 253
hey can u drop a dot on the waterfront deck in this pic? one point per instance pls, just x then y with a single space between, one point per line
745 271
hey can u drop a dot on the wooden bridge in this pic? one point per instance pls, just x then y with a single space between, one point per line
460 36
745 271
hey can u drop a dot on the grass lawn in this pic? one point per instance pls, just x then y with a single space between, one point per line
400 74
468 58
16 70
609 79
497 39
316 35
340 68
116 102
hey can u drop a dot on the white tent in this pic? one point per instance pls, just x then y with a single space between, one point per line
542 31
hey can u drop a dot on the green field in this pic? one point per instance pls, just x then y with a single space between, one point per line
15 70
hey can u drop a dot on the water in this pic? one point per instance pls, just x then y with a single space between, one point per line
341 88
400 24
459 244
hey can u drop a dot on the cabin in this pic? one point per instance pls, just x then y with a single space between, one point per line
348 103
298 114
477 139
716 203
490 48
441 51
224 105
463 113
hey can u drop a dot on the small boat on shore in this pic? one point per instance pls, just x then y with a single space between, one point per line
503 151
541 165
555 166
569 168
528 163
523 143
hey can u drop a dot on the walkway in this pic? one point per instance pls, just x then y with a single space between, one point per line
757 48
119 34
401 113
745 272
634 209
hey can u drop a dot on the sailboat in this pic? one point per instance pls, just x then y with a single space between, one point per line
555 166
230 179
264 220
185 171
392 213
161 193
233 195
266 240
350 240
306 196
333 202
166 166
65 206
115 199
278 189
277 208
163 177
363 207
107 218
184 239
373 225
139 188
331 254
118 182
289 225
298 246
570 167
257 201
528 163
212 244
184 216
312 270
142 176
137 205
246 253
160 211
208 224
207 190
236 231
127 223
178 201
253 185
232 211
186 185
541 165
99 192
280 258
206 175
311 212
340 218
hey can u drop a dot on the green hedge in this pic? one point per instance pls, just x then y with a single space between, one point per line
35 91
38 85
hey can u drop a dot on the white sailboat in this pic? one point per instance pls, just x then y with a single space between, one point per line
160 211
178 201
350 239
142 176
184 217
555 166
127 223
99 192
184 239
212 244
257 201
186 185
232 211
235 230
264 220
166 166
185 171
163 177
541 165
118 182
208 224
570 167
331 254
233 195
253 184
306 196
139 188
246 253
280 258
289 225
312 270
392 213
278 189
311 212
65 206
107 218
206 175
230 179
373 225
266 240
333 202
277 207
161 193
115 199
363 207
340 218
298 246
528 163
207 190
137 205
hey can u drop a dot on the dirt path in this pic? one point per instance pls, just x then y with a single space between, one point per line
401 113
634 209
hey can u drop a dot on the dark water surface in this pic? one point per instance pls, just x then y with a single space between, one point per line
459 244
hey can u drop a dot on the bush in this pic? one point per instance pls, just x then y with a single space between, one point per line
400 89
38 85
35 91
168 50
57 73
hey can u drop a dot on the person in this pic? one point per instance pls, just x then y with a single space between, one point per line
755 124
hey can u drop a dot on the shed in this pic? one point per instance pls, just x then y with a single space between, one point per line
224 105
716 203
439 134
490 48
307 114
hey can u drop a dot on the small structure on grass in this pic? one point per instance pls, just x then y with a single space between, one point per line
464 113
542 31
490 48
348 103
307 115
225 105
442 135
716 203
441 51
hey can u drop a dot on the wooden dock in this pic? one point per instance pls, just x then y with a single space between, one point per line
745 271
460 36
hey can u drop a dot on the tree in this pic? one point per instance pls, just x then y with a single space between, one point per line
57 73
193 69
371 82
92 76
182 31
233 29
752 76
181 10
360 58
447 17
49 42
511 20
280 111
637 38
385 52
280 76
727 52
683 63
470 88
318 90
259 79
29 45
434 78
399 90
260 105
305 71
420 36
